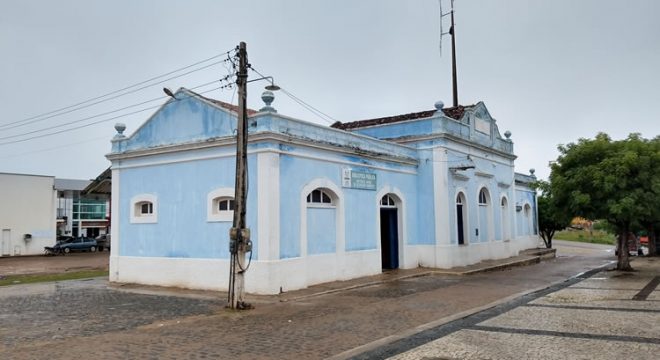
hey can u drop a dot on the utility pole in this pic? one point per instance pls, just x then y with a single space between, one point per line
452 31
239 235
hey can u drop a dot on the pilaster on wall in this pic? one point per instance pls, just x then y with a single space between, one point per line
440 199
268 202
115 215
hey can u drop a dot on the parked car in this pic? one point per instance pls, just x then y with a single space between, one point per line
103 242
78 244
634 246
64 239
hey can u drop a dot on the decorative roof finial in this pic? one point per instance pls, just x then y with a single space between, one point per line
439 105
120 127
507 135
268 97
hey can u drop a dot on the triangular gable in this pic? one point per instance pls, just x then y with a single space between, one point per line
189 118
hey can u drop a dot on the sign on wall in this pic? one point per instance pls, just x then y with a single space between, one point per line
358 179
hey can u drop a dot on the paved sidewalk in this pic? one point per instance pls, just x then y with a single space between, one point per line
604 315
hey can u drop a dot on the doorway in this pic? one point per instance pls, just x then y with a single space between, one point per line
5 247
389 233
389 238
460 218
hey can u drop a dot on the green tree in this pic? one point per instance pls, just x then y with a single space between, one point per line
551 217
604 179
649 182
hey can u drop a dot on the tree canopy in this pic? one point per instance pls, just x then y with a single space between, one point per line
612 180
551 217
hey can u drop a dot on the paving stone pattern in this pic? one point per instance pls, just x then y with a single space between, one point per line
607 316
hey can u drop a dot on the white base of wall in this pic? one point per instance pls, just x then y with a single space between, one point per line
462 255
264 277
271 277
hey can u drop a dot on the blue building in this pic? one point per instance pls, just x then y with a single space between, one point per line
435 189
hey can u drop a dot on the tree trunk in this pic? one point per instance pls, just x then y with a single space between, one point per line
623 260
547 238
652 238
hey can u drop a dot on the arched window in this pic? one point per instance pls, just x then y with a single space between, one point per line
506 226
321 222
220 206
485 229
387 201
459 200
483 198
527 212
319 197
225 204
144 209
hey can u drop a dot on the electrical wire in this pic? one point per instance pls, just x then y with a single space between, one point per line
100 121
125 88
103 114
16 124
323 116
53 148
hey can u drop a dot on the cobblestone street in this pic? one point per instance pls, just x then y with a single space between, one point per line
90 319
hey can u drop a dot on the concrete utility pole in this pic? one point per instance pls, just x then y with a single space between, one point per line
239 235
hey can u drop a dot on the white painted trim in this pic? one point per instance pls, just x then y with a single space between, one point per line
474 151
115 216
340 245
400 205
258 151
144 219
268 206
265 137
213 214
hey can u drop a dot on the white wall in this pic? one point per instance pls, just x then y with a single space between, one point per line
27 206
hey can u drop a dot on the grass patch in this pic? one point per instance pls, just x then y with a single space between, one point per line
598 237
37 278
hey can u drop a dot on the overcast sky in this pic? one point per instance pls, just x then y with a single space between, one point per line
548 71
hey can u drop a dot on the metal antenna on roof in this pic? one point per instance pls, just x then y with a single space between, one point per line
452 32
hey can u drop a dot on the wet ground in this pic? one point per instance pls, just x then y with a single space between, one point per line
92 319
599 315
16 265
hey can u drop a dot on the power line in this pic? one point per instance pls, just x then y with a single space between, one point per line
128 87
323 116
53 148
103 114
100 121
24 122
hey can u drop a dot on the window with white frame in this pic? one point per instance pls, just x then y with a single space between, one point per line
319 197
483 197
144 209
387 201
220 205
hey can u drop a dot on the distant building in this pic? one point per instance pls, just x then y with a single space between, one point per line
27 213
78 213
435 188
